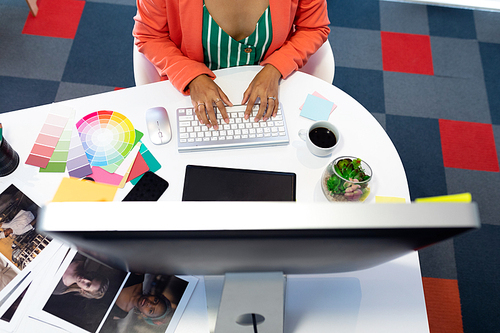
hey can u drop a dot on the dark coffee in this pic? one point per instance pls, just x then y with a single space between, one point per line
322 137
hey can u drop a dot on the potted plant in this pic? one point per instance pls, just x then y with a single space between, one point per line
346 179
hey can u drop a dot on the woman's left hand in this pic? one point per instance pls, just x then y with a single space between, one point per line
264 86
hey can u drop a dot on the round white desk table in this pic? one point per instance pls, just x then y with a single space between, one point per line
386 298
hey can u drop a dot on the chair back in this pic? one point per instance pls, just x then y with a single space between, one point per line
321 64
144 71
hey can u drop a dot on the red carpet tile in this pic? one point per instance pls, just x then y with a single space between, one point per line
56 18
406 53
443 305
467 145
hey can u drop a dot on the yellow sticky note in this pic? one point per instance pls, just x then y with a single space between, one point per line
461 197
73 189
381 199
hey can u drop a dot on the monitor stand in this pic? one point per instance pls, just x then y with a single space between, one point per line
246 302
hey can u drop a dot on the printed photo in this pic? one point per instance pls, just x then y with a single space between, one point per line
7 271
147 304
15 297
7 316
84 292
19 241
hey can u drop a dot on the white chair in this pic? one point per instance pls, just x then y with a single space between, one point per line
321 64
144 71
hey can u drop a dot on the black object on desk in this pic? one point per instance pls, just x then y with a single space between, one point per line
149 188
203 183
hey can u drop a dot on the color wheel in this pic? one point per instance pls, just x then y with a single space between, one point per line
107 137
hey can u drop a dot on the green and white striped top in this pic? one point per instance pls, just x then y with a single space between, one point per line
221 51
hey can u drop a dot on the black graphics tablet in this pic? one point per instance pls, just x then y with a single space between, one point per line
203 183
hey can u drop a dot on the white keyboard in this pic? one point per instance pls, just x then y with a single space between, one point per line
239 133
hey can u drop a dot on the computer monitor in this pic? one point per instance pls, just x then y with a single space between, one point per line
210 238
267 240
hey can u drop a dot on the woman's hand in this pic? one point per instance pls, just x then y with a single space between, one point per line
264 86
205 94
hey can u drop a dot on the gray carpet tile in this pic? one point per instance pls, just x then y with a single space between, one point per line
438 261
484 187
356 48
36 57
436 97
12 19
68 90
490 58
403 17
487 26
459 58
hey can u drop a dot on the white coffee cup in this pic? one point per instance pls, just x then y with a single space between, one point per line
322 143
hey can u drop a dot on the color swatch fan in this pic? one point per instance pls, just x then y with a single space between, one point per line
107 137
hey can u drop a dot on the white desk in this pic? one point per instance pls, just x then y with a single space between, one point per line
387 298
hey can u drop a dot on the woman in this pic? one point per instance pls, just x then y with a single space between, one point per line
154 309
76 279
185 40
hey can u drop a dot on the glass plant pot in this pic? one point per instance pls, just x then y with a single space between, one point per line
346 179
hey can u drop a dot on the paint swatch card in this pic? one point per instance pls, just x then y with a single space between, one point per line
49 135
150 160
57 162
78 165
119 177
72 189
139 167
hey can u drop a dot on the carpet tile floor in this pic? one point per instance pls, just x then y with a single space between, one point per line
429 74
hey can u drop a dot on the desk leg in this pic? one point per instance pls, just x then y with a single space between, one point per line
33 7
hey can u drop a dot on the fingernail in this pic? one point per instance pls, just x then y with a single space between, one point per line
226 120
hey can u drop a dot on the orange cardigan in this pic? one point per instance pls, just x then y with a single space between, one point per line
168 33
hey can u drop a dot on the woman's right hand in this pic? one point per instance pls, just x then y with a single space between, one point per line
205 94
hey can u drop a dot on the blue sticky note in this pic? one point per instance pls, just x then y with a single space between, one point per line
316 108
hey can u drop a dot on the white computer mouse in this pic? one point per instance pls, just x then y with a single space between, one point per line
158 125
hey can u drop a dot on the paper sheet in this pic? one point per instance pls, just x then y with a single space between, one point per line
72 189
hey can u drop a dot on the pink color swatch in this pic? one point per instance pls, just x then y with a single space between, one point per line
47 140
